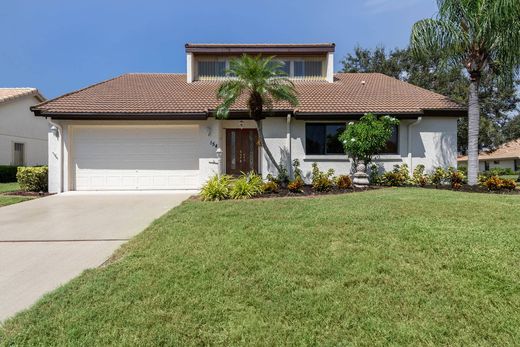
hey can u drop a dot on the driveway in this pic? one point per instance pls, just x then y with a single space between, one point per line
46 242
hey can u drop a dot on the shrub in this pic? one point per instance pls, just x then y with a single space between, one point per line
364 139
296 168
7 173
343 182
419 178
216 188
296 185
439 176
282 178
508 184
457 178
321 181
399 176
493 183
499 171
270 187
373 176
246 186
33 179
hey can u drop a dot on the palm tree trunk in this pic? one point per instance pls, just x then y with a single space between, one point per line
473 130
264 145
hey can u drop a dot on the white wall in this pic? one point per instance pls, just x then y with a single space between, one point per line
18 124
434 143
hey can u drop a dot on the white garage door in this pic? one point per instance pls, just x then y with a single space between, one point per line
135 158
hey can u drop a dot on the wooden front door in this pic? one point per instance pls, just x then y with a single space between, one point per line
241 151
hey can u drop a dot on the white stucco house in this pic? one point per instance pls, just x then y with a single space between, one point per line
506 156
158 130
23 138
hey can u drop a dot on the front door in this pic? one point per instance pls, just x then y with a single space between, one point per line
241 151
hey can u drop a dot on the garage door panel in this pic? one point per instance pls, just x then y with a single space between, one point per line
130 158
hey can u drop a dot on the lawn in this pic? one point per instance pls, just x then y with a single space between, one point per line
9 200
397 266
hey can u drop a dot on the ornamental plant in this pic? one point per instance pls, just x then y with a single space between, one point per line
366 138
322 181
33 179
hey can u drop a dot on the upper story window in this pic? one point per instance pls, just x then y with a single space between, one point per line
307 68
212 68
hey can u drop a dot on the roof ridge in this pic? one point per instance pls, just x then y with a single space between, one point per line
77 91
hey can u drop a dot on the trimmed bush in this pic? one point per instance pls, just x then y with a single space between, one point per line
321 181
247 186
33 179
496 183
216 188
270 187
343 182
7 173
296 185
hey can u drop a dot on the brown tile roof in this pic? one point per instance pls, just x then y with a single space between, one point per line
351 93
8 94
509 150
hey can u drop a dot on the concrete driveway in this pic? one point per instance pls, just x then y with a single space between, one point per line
46 242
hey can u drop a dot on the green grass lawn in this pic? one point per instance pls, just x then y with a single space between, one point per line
388 267
9 187
9 200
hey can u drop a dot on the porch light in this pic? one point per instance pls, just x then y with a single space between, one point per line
55 131
219 153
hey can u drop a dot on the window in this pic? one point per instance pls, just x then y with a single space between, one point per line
212 68
18 154
392 145
517 165
286 68
322 138
486 166
307 68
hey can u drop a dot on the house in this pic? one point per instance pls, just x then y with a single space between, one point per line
506 156
158 130
23 138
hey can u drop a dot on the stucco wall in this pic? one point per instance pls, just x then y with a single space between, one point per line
434 143
18 124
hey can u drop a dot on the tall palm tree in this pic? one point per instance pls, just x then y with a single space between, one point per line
481 36
264 82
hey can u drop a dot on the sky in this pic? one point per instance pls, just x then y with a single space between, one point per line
59 46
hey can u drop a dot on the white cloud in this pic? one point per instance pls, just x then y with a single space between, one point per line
383 6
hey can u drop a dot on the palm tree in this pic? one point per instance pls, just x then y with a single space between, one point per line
482 36
264 82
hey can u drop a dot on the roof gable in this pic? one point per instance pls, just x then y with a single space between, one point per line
9 94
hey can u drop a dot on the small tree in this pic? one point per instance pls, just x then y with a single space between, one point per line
365 139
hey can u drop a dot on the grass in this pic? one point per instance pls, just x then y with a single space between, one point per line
395 266
9 199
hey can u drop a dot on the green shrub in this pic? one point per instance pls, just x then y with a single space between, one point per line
282 179
499 171
399 176
296 168
270 187
374 176
496 183
33 179
457 178
343 182
296 185
7 173
321 181
439 176
247 186
419 178
216 188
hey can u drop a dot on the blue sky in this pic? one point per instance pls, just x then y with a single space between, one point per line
62 45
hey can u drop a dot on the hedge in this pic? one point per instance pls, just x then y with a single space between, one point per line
33 179
7 173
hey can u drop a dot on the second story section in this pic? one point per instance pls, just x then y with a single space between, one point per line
300 61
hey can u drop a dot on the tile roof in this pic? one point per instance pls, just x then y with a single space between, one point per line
8 94
509 150
152 93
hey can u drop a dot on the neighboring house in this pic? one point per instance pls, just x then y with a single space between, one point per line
158 130
23 138
506 156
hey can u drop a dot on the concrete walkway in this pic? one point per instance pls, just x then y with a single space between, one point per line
46 242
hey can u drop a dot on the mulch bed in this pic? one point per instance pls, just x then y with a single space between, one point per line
471 189
22 193
308 192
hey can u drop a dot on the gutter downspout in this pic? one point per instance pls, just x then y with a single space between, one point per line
410 167
289 154
60 158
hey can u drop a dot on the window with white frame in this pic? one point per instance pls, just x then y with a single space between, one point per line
18 154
